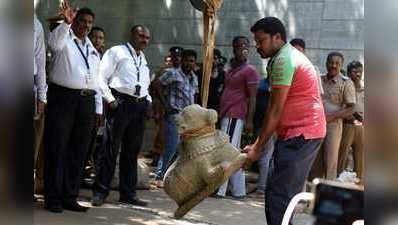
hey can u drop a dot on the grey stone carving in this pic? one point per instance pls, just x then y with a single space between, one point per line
206 159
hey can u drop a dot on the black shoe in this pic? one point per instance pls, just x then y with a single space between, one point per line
53 208
238 198
97 200
74 206
135 201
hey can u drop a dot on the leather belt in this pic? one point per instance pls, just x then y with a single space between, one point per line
81 92
87 92
128 97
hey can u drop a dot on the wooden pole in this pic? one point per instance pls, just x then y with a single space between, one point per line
209 18
207 60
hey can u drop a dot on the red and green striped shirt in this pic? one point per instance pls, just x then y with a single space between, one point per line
303 112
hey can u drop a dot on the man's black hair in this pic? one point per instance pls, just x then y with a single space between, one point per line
85 11
353 65
271 26
223 60
96 29
237 38
189 52
217 52
298 41
176 50
330 55
135 27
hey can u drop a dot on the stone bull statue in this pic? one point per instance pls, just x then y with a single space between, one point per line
206 159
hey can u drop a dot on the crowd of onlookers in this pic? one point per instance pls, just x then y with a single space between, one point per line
94 108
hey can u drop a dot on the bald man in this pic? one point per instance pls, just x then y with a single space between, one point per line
124 82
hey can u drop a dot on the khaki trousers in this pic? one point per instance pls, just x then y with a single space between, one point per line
353 135
39 154
327 160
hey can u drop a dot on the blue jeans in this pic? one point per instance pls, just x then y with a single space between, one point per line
264 164
293 159
170 147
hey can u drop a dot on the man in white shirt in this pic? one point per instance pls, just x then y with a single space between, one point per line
39 65
40 92
71 107
97 37
125 81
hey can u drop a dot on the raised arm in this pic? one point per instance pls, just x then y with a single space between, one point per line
57 38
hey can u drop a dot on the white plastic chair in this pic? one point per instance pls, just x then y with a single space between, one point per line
303 196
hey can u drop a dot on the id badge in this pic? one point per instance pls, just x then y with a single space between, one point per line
89 79
137 90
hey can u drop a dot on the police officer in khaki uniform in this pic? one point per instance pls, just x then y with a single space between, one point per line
353 130
339 100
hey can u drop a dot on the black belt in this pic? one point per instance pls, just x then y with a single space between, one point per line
81 92
128 97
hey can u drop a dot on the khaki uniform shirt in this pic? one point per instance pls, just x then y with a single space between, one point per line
338 92
360 104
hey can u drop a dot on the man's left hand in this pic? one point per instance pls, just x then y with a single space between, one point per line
40 108
98 120
149 112
253 154
330 118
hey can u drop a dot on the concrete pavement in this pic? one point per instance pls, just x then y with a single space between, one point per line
160 211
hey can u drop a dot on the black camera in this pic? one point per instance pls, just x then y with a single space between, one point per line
337 203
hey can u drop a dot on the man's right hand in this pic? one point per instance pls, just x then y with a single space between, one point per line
40 108
253 153
113 105
67 12
330 117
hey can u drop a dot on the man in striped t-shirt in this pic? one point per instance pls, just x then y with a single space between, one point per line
295 112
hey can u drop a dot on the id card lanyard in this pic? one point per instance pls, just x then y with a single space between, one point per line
137 65
85 57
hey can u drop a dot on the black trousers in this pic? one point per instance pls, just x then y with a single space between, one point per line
70 119
293 159
125 129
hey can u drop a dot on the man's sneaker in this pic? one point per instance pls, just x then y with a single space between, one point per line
258 194
135 201
215 195
97 200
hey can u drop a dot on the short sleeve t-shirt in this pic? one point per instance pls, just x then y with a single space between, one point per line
233 103
303 113
338 91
